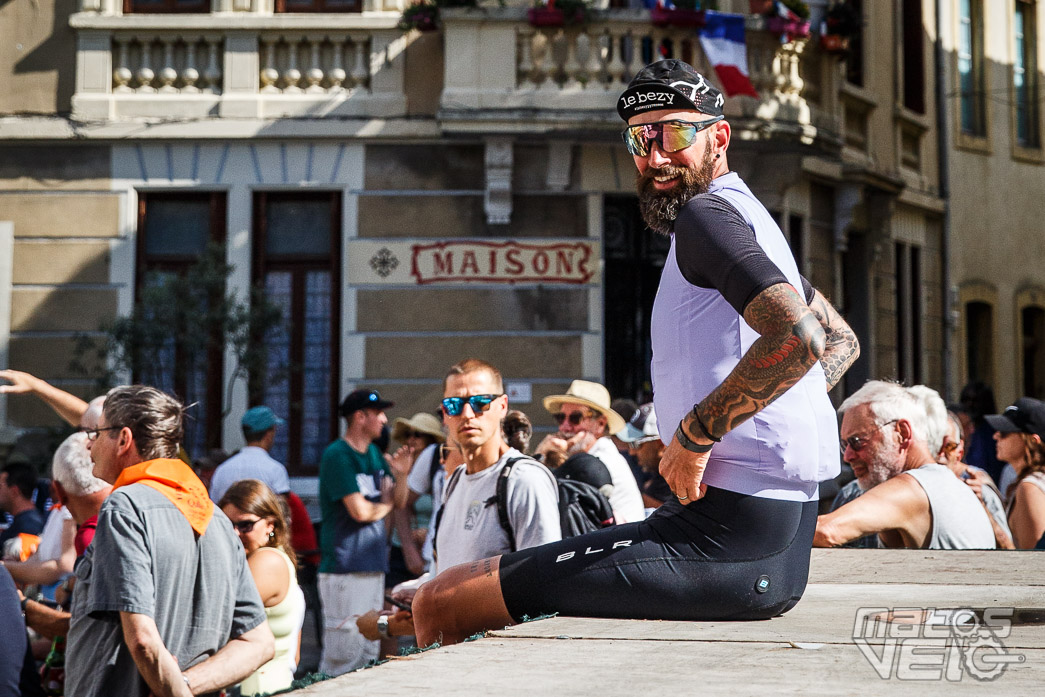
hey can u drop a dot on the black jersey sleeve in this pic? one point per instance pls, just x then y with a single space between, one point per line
715 248
808 291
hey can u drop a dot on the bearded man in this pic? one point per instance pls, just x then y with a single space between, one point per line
742 363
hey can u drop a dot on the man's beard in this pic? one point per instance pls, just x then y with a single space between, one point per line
884 465
660 208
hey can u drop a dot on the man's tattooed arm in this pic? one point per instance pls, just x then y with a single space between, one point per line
842 346
791 342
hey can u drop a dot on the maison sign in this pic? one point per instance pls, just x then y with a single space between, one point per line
473 261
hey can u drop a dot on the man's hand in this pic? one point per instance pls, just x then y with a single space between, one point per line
387 489
683 471
550 442
21 383
402 461
399 624
976 480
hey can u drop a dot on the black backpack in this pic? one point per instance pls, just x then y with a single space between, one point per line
582 507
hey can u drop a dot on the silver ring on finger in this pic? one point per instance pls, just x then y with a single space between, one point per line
683 498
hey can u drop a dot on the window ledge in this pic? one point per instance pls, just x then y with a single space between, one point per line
1033 156
977 144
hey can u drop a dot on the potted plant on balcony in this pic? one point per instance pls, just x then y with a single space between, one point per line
423 15
841 22
688 14
557 13
789 18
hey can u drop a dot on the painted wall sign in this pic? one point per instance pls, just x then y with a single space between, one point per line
473 261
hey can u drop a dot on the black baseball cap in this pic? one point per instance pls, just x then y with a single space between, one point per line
1027 415
363 399
586 468
669 84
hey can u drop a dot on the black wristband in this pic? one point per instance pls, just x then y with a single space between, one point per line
703 428
24 602
685 442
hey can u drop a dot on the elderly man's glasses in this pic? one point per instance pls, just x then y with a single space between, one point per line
574 417
670 136
858 443
478 402
93 433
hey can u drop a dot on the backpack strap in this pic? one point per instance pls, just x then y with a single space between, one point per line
501 498
455 476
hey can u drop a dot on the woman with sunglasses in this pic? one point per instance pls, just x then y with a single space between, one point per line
1019 433
259 517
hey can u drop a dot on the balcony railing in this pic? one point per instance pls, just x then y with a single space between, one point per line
207 66
501 67
497 69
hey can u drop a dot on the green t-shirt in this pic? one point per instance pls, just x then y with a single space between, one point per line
345 545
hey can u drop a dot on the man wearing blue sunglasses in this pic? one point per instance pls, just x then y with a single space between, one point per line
744 353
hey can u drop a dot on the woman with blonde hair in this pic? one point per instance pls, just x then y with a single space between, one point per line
260 519
1019 435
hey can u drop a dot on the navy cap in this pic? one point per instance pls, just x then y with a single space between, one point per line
260 419
363 399
669 84
642 427
1027 415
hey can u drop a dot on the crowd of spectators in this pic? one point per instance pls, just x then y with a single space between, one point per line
127 537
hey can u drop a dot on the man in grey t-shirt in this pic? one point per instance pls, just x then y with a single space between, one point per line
164 602
469 527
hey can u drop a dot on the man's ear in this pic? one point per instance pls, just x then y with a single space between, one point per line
59 492
125 440
903 428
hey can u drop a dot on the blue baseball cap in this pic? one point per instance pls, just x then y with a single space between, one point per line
260 419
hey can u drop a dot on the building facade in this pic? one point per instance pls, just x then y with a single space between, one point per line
411 199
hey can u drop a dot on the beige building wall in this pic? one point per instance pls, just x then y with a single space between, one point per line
64 221
37 55
997 205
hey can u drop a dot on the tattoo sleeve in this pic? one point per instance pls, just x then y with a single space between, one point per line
791 342
842 347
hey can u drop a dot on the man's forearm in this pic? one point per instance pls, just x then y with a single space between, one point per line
791 342
842 347
154 662
233 662
45 620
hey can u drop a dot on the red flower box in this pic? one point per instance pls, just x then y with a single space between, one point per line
689 19
793 29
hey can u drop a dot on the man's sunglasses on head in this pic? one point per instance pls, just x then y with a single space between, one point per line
670 136
478 402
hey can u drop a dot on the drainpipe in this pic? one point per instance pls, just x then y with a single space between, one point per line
943 175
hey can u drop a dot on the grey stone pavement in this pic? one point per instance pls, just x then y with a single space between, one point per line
947 634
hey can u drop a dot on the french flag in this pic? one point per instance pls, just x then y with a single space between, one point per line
723 41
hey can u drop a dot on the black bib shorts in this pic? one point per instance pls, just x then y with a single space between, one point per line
727 556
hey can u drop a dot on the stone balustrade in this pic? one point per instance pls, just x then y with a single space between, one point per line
167 64
497 67
197 67
504 68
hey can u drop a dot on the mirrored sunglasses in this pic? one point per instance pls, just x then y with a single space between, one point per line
670 136
478 402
